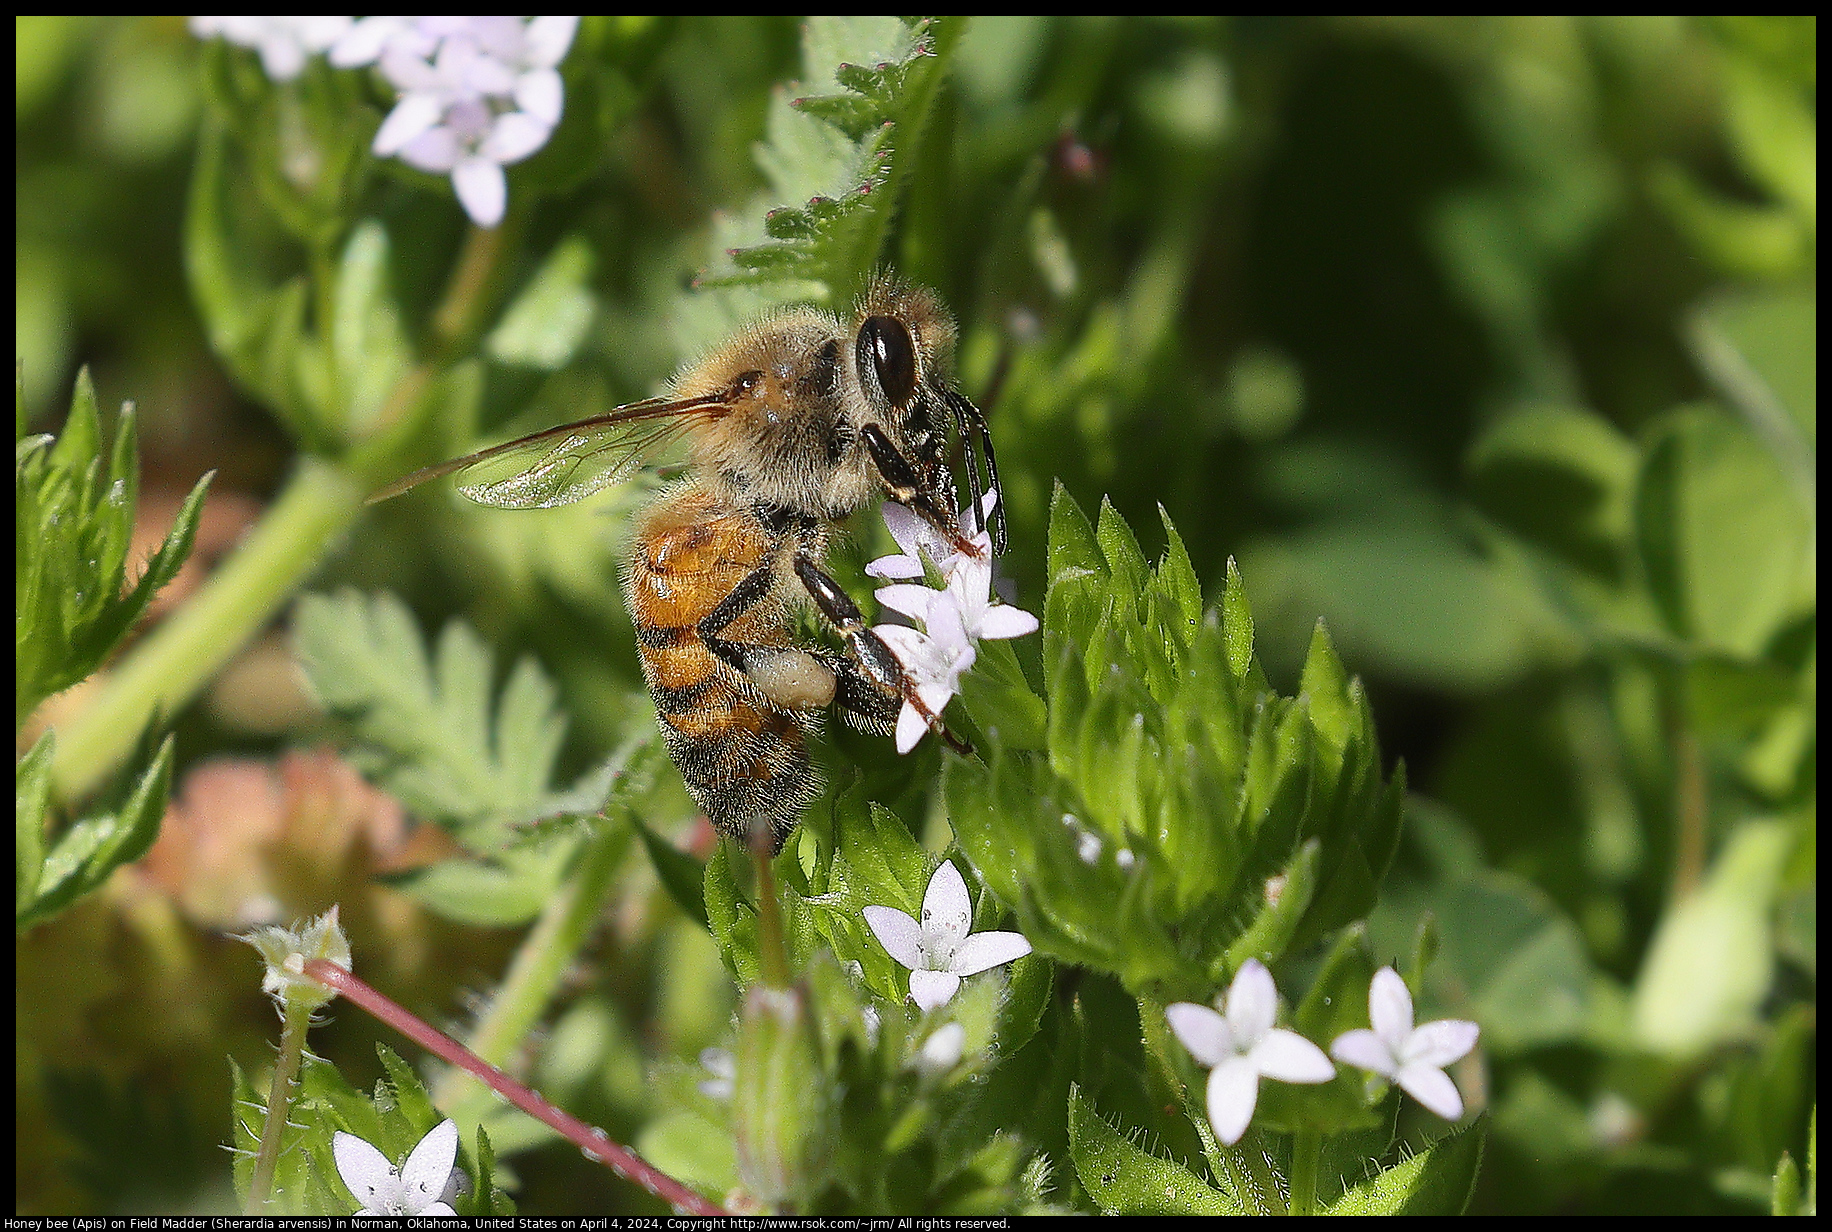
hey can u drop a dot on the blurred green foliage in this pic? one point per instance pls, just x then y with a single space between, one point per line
1490 341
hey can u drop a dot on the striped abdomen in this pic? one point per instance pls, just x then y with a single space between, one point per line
743 761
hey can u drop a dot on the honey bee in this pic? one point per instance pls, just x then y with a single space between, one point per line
791 426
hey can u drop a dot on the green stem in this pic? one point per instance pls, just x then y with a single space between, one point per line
1306 1149
771 951
279 1098
535 972
176 659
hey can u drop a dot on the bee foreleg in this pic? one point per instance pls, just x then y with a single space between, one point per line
900 478
876 664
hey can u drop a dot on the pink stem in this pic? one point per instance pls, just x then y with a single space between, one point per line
594 1142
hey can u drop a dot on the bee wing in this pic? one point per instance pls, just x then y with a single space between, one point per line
561 465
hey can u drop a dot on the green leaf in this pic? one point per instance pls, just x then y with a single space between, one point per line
1727 549
1237 622
89 850
1439 1181
75 513
1712 957
834 151
427 726
31 797
1760 349
1562 479
681 875
1124 1180
548 322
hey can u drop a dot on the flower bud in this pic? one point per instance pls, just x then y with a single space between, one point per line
779 1097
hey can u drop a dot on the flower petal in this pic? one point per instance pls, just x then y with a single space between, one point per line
933 989
911 727
1432 1088
1233 1091
945 905
1390 1008
429 1166
894 567
942 1051
1364 1049
514 136
548 38
1439 1043
482 190
914 601
365 1170
363 42
1289 1057
984 951
541 94
1003 621
1253 1002
1201 1030
900 935
413 115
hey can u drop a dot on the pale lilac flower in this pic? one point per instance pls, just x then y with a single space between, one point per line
478 93
417 1187
1240 1046
285 43
969 592
938 951
1412 1057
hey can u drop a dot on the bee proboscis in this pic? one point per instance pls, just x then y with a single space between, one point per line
792 425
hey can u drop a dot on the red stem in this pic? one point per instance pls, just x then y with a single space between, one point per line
594 1142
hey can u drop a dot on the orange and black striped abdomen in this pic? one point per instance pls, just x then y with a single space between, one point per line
744 762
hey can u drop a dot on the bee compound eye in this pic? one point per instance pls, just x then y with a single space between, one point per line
887 346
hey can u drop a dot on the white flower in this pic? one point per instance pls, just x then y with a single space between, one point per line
1413 1057
918 539
935 660
479 93
284 42
939 951
954 617
941 1052
722 1070
1240 1046
417 1187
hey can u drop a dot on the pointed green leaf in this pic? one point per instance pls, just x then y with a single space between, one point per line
1124 1180
1237 622
1439 1181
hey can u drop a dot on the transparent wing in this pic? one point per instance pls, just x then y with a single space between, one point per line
565 464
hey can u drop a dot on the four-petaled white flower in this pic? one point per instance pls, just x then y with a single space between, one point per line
939 950
285 43
1412 1057
936 660
954 617
1240 1046
478 93
417 1187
